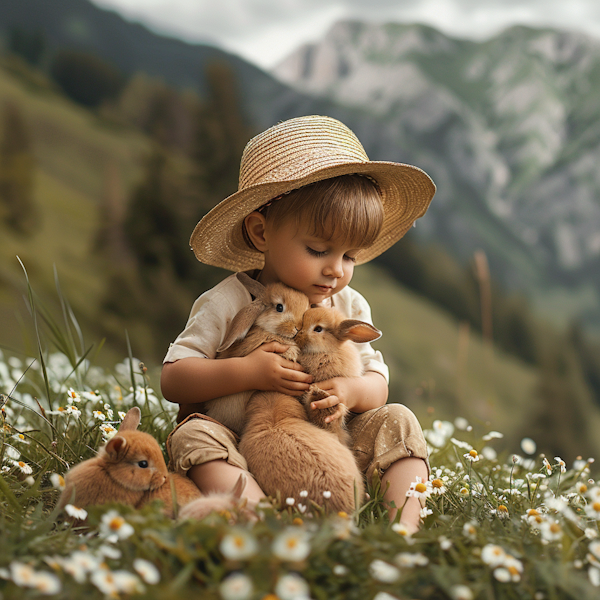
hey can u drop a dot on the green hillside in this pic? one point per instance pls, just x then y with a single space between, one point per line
72 150
81 158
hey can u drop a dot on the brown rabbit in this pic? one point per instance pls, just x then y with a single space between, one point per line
129 469
274 315
327 350
287 454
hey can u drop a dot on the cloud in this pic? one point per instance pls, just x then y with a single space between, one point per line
265 31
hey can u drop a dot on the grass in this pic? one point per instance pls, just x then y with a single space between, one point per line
495 526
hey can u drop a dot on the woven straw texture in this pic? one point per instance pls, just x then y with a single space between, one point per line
293 154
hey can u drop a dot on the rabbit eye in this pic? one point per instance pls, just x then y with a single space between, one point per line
279 308
143 464
318 329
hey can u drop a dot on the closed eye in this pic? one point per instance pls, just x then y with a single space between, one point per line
313 252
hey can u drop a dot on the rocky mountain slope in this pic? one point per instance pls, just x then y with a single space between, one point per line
507 127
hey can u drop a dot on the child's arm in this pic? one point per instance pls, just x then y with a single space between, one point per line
190 380
359 394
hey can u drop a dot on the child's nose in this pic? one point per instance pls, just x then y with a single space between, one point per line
334 269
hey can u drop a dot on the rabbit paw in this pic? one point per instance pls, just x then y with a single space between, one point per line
317 416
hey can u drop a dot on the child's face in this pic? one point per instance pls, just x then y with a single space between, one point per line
317 267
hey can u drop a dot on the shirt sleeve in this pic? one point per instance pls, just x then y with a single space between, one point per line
358 308
208 323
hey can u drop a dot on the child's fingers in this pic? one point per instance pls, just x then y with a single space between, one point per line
325 402
336 415
274 347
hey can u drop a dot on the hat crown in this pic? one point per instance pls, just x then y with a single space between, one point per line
297 148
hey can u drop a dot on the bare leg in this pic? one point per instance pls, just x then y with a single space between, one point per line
220 476
400 475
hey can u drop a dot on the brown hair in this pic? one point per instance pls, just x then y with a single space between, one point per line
353 200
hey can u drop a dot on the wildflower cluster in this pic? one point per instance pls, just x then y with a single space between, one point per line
501 528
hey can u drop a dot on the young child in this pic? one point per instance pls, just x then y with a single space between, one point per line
310 206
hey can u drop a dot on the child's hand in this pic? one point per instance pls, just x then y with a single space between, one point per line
268 371
340 392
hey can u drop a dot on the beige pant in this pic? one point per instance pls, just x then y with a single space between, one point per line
380 437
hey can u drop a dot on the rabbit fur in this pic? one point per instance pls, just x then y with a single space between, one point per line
129 469
303 456
327 350
257 323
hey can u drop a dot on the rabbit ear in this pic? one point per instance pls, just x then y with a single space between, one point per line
116 447
357 331
254 287
239 486
131 420
241 323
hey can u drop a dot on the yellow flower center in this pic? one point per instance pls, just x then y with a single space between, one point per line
21 436
292 543
298 521
596 506
116 523
583 488
555 528
343 514
61 409
420 487
473 453
502 508
513 570
238 541
437 483
532 512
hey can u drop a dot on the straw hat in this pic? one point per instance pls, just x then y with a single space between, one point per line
293 154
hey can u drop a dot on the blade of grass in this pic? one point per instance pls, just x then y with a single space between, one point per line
37 335
68 316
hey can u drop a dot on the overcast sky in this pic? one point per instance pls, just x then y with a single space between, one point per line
265 31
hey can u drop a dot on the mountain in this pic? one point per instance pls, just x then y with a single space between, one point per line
508 128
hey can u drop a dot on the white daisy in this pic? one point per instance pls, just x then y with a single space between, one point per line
22 574
472 455
76 512
57 481
470 530
47 583
113 524
419 488
461 592
293 545
236 586
73 396
147 571
292 587
23 467
238 544
493 555
528 446
562 464
383 571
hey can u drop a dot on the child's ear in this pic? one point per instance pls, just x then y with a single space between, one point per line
255 227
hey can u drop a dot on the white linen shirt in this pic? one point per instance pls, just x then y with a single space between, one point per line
214 310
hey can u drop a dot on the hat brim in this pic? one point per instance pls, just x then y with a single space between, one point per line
406 194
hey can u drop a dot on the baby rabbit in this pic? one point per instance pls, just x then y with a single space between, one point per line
129 469
327 350
287 454
274 315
